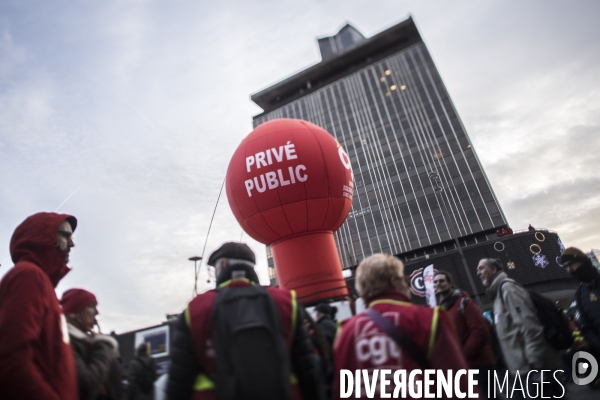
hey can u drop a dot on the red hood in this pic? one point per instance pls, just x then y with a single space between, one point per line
35 241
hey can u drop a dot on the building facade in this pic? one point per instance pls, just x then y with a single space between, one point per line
531 258
384 101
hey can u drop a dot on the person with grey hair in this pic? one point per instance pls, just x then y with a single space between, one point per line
242 340
414 336
519 330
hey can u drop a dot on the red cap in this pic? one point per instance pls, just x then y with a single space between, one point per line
75 300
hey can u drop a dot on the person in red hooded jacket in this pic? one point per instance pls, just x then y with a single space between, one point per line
472 331
36 361
362 345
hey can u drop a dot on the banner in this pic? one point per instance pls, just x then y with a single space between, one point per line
157 339
428 275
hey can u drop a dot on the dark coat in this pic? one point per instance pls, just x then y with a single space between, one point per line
142 374
588 302
36 361
99 371
329 328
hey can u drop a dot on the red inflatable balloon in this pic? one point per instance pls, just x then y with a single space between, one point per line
289 184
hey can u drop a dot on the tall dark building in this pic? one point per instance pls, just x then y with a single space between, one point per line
384 101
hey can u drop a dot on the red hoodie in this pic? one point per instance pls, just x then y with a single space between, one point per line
36 361
471 330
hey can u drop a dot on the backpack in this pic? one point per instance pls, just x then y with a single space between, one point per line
252 361
494 340
557 329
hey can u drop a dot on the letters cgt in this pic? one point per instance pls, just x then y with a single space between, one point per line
290 185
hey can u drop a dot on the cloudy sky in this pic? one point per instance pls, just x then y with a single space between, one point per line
131 110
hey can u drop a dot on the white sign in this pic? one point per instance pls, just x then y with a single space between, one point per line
157 339
428 275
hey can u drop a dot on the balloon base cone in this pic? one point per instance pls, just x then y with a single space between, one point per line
310 265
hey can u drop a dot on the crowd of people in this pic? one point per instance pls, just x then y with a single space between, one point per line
246 341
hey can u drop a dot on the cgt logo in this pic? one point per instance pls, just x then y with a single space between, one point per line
583 363
417 283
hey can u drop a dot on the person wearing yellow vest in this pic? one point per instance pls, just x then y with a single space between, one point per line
195 361
363 345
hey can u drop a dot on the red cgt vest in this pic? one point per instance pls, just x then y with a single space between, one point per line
198 316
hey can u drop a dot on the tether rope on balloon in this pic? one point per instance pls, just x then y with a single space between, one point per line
207 235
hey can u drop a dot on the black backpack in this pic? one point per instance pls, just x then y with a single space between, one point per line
557 329
251 354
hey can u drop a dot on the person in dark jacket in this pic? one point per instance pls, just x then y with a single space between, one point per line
472 331
322 349
36 361
193 357
99 370
587 297
325 315
142 374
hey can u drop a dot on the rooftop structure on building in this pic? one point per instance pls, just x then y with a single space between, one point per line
347 38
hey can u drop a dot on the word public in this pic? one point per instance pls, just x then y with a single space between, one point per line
274 179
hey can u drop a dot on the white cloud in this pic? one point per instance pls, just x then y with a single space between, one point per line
142 104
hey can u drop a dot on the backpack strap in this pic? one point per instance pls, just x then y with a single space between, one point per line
463 305
400 337
501 293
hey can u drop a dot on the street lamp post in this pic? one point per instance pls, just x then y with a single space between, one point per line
195 259
437 187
